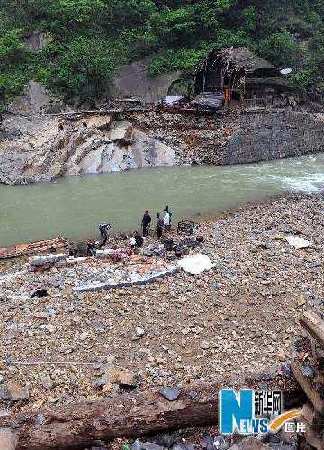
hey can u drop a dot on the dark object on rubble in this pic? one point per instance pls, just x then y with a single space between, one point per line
91 248
181 250
186 227
138 239
178 251
172 102
168 245
79 249
39 293
321 364
190 243
209 101
200 239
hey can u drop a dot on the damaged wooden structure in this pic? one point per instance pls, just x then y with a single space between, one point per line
239 74
308 370
30 248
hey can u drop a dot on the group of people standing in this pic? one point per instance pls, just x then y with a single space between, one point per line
163 222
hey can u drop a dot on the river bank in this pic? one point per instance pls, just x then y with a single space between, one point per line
44 148
239 317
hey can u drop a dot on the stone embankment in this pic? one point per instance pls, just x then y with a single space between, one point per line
45 147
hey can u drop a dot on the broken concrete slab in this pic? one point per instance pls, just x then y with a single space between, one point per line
101 122
122 131
131 279
39 261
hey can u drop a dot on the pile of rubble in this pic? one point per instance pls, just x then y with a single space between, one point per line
238 316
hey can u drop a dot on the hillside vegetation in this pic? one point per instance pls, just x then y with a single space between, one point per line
89 39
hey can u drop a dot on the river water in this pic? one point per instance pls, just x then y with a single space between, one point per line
73 206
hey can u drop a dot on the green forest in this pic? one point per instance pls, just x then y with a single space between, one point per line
88 40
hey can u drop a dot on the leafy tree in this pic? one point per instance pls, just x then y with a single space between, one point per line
91 39
281 48
84 66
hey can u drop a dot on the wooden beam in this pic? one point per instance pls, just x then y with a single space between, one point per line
126 415
314 325
307 387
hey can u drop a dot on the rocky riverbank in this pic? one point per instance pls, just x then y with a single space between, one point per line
238 317
36 148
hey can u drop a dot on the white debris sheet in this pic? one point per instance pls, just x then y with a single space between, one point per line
136 275
297 242
195 264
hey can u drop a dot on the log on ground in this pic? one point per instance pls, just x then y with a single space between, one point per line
314 325
126 415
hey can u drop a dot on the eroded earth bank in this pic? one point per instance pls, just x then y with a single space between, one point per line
44 147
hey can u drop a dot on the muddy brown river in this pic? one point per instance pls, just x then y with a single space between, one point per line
73 206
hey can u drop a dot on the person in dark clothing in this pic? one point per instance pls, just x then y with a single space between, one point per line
103 228
138 239
146 223
91 248
159 225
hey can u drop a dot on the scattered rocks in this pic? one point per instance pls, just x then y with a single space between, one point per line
14 391
170 394
250 443
124 378
140 332
308 371
205 345
179 329
46 382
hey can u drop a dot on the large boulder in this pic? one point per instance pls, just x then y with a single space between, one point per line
133 80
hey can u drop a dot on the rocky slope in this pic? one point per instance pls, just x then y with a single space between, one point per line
42 148
39 147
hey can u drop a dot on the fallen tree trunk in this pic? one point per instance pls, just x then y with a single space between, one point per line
314 325
126 415
308 388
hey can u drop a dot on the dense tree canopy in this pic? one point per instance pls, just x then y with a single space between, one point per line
90 39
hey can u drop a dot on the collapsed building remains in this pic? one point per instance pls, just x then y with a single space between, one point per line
239 74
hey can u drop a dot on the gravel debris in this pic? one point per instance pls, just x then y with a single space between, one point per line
241 316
